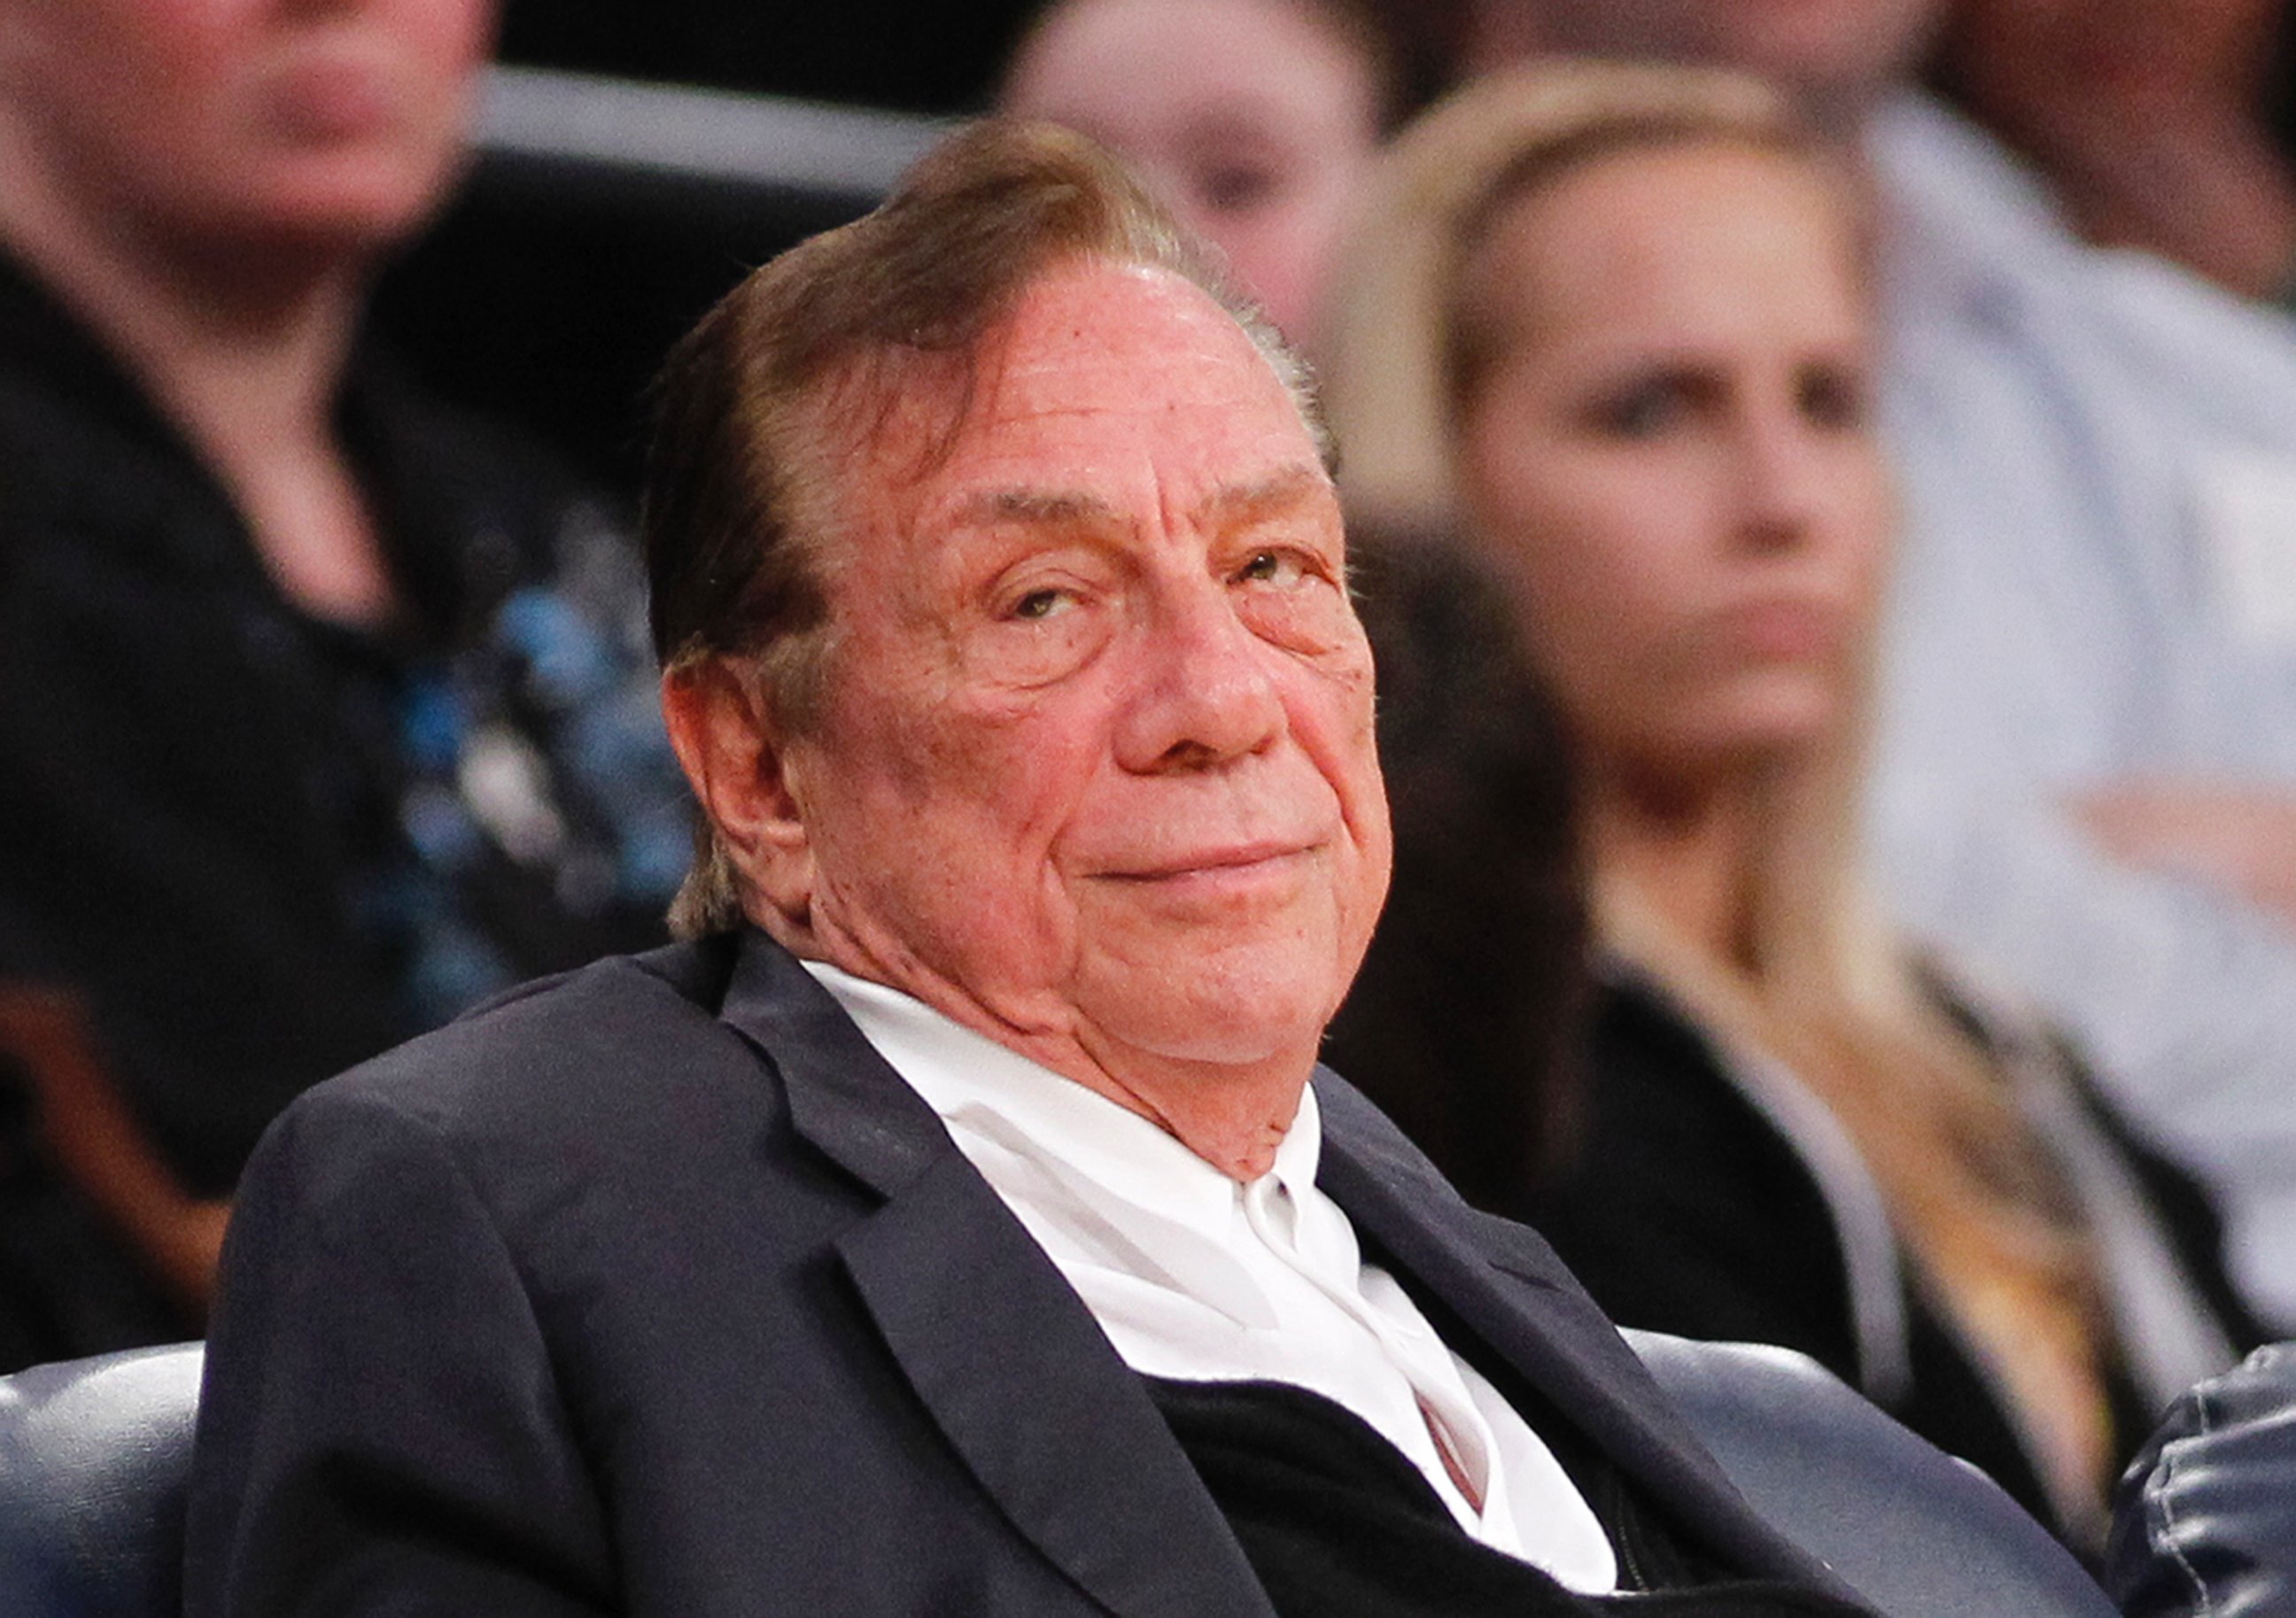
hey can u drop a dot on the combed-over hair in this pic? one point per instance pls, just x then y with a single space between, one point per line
737 513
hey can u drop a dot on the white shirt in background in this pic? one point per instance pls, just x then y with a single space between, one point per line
2095 584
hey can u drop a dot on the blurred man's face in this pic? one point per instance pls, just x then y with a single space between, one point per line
1254 119
190 121
1837 50
2015 56
1095 773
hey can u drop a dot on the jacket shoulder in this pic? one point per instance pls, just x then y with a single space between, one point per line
605 1047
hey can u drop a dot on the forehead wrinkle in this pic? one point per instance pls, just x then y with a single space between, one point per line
1279 492
1239 507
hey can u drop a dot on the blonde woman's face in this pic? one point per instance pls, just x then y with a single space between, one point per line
1669 451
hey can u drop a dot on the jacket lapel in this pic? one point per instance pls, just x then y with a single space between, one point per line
1000 1350
1059 1431
1508 1286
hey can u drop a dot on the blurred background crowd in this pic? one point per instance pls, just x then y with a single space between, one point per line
1823 479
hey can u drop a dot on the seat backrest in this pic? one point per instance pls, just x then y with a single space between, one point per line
2206 1523
95 1459
1916 1533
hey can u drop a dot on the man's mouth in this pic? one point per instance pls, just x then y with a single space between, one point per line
1228 860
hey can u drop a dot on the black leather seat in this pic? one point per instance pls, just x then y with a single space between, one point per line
94 1456
1906 1526
94 1459
2206 1520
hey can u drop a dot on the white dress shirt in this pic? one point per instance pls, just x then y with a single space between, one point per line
1194 1277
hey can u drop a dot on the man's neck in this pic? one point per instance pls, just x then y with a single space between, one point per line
1231 1115
1234 1115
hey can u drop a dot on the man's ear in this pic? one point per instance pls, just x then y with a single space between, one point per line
734 759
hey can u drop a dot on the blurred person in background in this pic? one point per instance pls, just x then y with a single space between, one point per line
1253 119
324 709
2150 121
1487 909
1838 58
1613 326
2084 746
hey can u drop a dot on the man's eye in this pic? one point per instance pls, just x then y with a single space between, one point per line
1039 604
1270 568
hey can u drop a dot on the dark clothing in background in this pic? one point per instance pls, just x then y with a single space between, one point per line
1686 1209
263 847
65 1278
1459 1024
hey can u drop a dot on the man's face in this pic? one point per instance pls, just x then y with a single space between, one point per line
1837 50
1095 770
2020 58
221 118
1254 120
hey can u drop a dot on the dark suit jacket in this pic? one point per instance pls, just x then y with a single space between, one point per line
652 1289
1688 1210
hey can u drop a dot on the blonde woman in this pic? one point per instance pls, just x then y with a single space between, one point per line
1611 326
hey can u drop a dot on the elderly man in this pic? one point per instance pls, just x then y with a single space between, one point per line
952 1226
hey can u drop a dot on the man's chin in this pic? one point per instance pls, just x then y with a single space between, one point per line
1220 1013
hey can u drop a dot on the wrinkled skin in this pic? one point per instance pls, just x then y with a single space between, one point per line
1095 774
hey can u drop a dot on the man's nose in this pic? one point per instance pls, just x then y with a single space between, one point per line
1203 690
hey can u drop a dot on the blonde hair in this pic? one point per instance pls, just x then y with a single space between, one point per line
1826 987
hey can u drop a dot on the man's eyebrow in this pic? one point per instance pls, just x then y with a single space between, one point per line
1075 508
1048 508
1267 496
